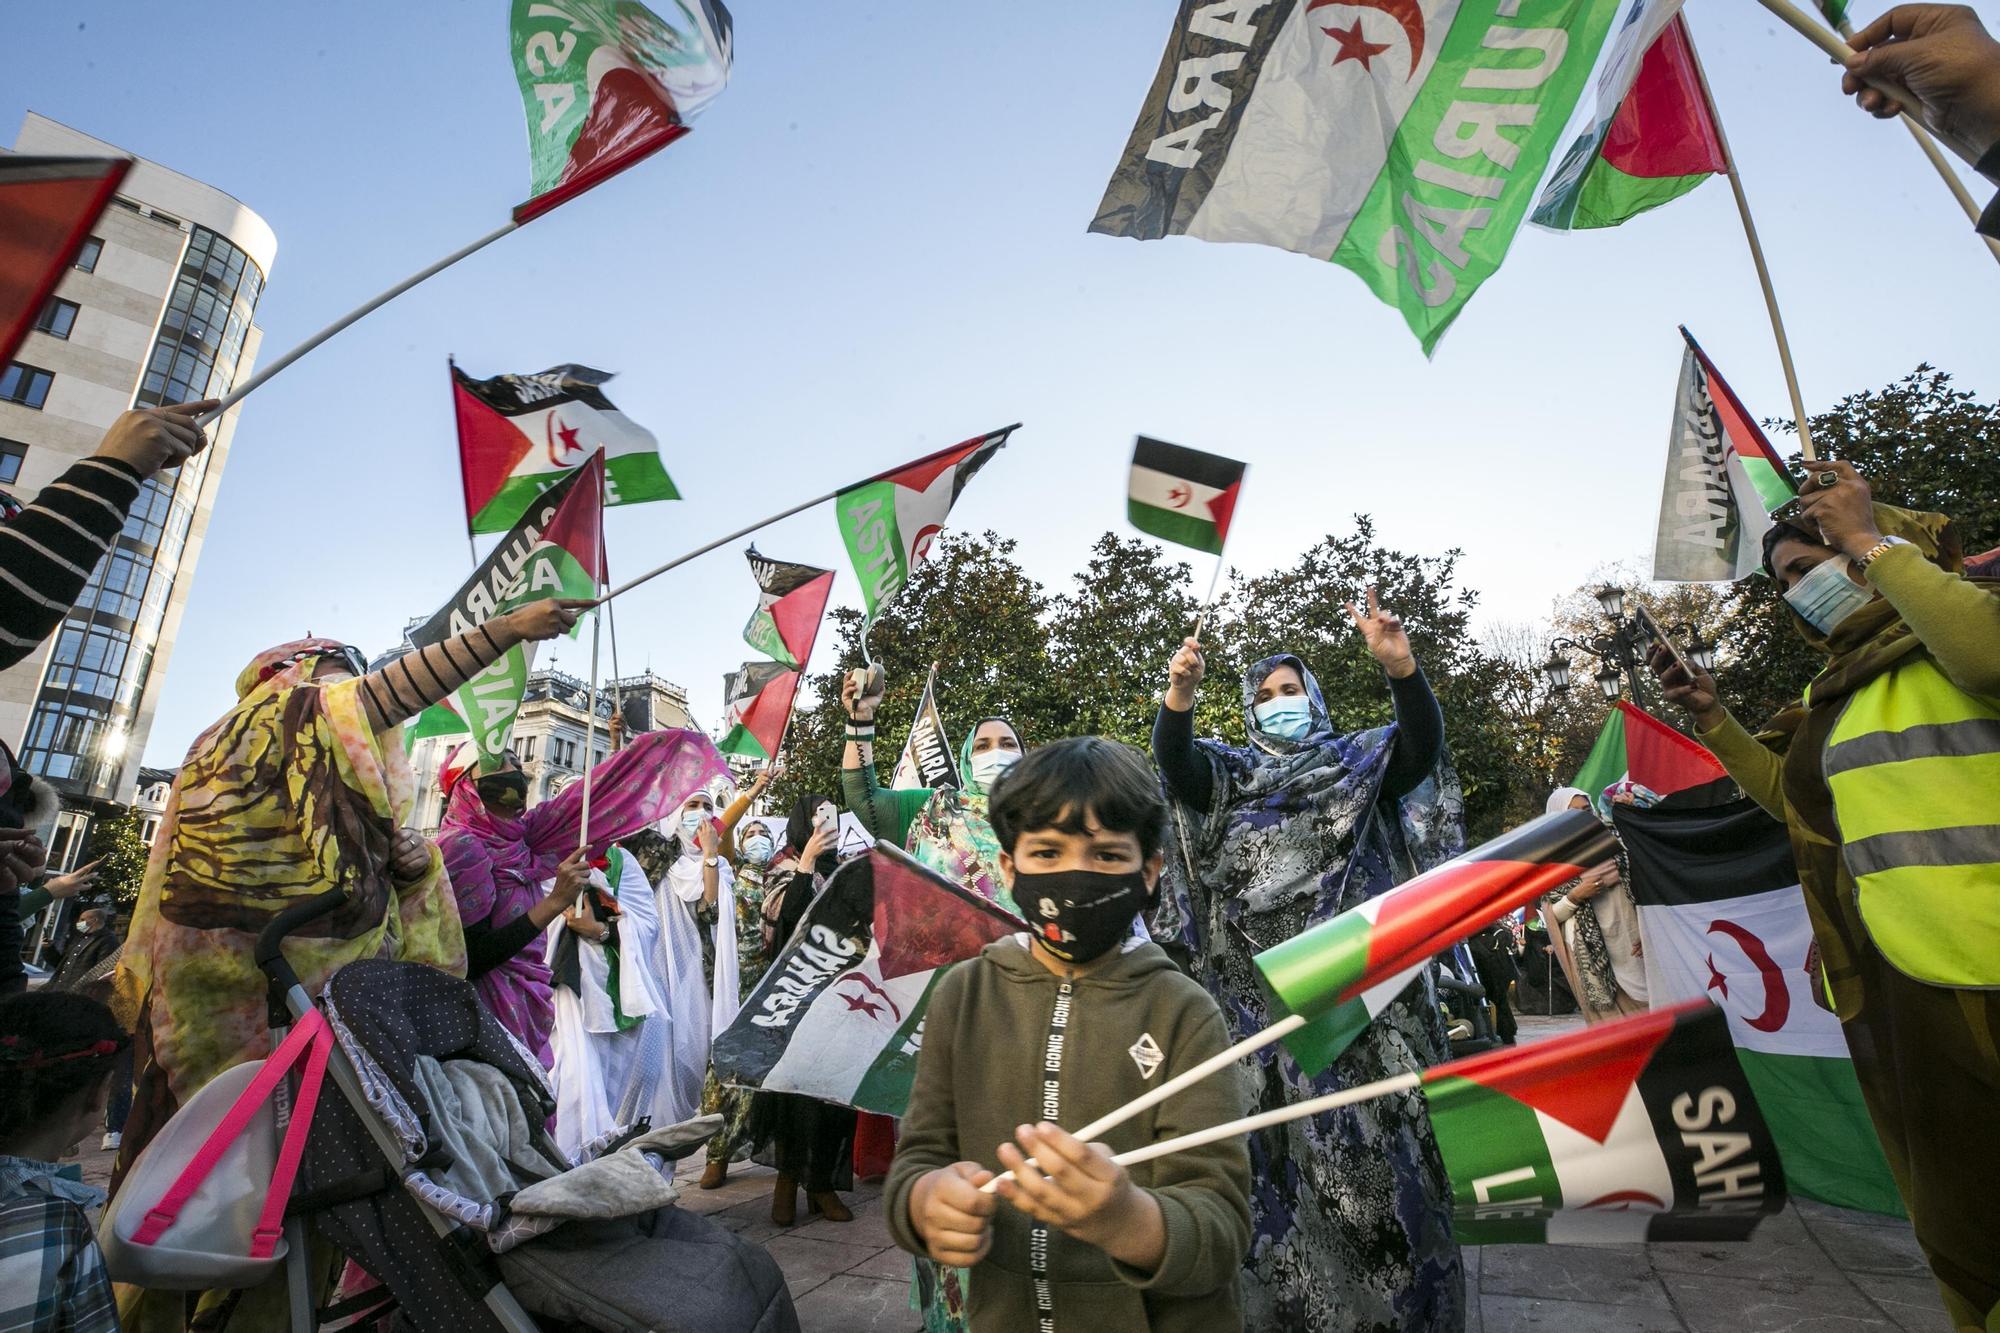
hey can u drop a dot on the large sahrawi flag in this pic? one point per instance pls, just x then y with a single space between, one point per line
889 520
1722 918
1183 495
608 82
927 758
1643 1129
1723 480
839 1015
556 550
520 434
791 598
1401 139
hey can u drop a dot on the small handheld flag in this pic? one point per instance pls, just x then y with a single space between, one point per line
1634 744
927 759
1183 495
1343 972
758 699
47 207
791 599
889 520
1723 479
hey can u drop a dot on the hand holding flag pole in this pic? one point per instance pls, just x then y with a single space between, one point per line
1329 982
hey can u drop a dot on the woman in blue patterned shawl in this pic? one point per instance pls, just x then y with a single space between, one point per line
1350 1209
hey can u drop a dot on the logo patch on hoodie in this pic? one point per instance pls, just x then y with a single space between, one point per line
1146 1054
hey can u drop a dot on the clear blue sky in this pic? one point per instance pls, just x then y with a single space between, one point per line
873 244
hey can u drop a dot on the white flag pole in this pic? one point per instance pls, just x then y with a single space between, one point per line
1250 1124
1756 252
242 391
596 633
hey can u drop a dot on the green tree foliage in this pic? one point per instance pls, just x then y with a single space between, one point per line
115 840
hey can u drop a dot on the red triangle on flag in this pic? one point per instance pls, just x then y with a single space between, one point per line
490 447
1661 758
1223 507
578 525
1581 1079
767 714
797 615
921 922
630 119
1663 128
47 208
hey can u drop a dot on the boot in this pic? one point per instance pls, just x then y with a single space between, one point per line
827 1204
785 1200
714 1176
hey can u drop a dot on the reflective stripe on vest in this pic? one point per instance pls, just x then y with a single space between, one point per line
1913 765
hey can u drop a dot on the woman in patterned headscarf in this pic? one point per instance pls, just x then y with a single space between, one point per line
300 788
1594 922
1351 1210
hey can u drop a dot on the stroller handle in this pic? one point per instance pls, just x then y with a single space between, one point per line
270 954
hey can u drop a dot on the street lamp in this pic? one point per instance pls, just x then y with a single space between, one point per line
1608 679
1612 598
1622 647
1557 670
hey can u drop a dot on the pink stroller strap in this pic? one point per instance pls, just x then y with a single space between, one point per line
310 1037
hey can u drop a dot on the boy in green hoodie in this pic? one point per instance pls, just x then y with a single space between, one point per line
1059 1027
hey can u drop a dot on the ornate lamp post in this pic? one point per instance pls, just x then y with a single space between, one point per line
1620 649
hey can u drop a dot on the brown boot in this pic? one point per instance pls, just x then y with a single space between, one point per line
785 1201
716 1174
829 1206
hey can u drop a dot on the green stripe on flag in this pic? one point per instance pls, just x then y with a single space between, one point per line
1609 196
1607 761
1821 1126
740 741
1773 487
1503 1181
885 1088
874 540
1183 529
633 478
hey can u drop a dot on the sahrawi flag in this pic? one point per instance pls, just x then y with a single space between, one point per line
1722 919
1643 1129
1634 744
1401 139
839 1015
555 550
927 758
1342 973
889 520
1655 136
519 434
791 598
1183 495
1723 480
608 82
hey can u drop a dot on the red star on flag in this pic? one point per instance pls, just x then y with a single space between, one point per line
1354 45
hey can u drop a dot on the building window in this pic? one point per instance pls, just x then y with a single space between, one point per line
11 454
25 385
58 317
87 257
524 749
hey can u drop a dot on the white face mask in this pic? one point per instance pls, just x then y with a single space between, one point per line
988 765
757 849
1826 595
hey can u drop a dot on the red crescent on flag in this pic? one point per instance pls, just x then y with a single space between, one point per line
566 453
921 547
1405 12
1179 496
1777 995
862 1002
1625 1201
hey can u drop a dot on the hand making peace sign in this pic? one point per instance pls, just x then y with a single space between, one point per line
1384 633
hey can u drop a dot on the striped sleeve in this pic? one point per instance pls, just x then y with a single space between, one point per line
48 551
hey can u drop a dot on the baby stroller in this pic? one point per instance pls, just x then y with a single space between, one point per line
421 1170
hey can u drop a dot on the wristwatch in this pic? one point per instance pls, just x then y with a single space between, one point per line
712 861
1874 552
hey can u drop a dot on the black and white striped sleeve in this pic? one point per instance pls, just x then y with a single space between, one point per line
416 680
48 551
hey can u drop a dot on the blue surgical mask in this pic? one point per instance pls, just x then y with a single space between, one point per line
1826 595
757 849
1287 717
692 821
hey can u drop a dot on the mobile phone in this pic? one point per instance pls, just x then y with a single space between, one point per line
1659 636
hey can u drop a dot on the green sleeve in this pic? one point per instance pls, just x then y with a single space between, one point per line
34 900
1957 620
885 812
927 1135
1203 1193
1758 770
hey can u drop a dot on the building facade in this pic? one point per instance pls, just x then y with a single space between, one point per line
159 308
553 733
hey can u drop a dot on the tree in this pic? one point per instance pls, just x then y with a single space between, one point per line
115 841
1110 639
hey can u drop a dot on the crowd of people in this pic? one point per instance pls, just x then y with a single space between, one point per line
614 947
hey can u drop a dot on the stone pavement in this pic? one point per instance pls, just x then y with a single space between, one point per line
1811 1269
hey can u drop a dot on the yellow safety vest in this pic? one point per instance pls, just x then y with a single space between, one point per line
1913 764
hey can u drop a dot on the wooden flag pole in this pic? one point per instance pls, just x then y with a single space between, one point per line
1842 53
1248 1124
1757 255
596 627
243 390
1104 1124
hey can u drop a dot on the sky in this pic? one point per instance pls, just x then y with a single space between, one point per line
873 244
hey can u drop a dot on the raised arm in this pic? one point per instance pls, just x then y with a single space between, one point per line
883 811
49 549
1187 773
416 680
1759 771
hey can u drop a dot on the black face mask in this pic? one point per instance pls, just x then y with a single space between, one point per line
1080 915
507 792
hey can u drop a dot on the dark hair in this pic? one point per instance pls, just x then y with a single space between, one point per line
53 1044
1072 783
1786 530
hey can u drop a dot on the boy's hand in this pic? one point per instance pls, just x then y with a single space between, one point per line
1077 1189
952 1215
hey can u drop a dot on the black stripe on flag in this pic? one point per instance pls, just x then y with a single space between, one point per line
1719 1153
1192 464
516 395
1707 855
